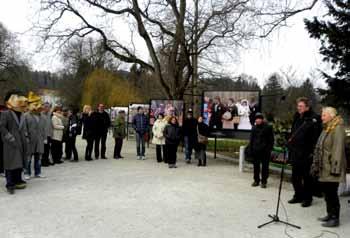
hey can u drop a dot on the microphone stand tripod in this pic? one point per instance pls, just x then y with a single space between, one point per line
275 218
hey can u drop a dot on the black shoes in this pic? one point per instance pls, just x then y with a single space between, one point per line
11 190
306 203
255 184
324 219
295 200
332 222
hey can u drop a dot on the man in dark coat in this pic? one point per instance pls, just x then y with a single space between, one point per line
218 109
261 144
140 123
306 129
190 135
15 140
102 123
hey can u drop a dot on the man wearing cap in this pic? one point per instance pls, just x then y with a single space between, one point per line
190 135
261 144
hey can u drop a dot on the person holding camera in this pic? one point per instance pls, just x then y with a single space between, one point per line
261 145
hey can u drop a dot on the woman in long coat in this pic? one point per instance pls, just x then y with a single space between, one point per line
330 164
158 137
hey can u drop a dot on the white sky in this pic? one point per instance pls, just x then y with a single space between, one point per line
288 48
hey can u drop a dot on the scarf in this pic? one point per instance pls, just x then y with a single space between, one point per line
318 153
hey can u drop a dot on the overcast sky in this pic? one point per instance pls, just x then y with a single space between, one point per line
288 48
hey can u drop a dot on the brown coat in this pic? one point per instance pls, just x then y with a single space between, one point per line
329 158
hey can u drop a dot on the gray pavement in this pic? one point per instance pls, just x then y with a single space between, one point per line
144 199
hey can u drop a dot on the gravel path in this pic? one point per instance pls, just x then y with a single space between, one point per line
144 199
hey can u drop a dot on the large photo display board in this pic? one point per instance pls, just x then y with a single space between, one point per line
113 112
133 110
167 108
230 110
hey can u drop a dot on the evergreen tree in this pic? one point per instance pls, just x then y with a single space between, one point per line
334 34
272 93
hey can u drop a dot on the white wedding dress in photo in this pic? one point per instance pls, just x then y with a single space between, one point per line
243 112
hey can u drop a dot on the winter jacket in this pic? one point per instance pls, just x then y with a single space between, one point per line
158 132
190 127
102 122
172 134
119 127
329 157
58 127
15 140
36 126
88 126
140 124
304 135
261 139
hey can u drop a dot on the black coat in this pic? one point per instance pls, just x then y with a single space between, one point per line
305 132
172 134
218 111
261 140
102 122
89 126
190 127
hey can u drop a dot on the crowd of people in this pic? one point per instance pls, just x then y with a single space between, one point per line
33 132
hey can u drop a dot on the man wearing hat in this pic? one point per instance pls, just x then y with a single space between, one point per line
35 125
15 138
261 144
190 134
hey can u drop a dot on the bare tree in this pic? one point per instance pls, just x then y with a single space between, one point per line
187 32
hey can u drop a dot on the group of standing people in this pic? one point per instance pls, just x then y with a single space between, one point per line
27 131
167 136
316 149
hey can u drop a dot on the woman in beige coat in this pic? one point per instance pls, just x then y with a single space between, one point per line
330 164
57 137
158 137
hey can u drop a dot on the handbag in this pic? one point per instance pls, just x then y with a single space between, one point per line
202 139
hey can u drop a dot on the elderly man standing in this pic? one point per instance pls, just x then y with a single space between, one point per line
35 124
15 140
46 116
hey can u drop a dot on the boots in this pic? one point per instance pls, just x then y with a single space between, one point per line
199 163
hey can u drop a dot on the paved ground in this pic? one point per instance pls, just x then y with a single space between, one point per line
143 199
